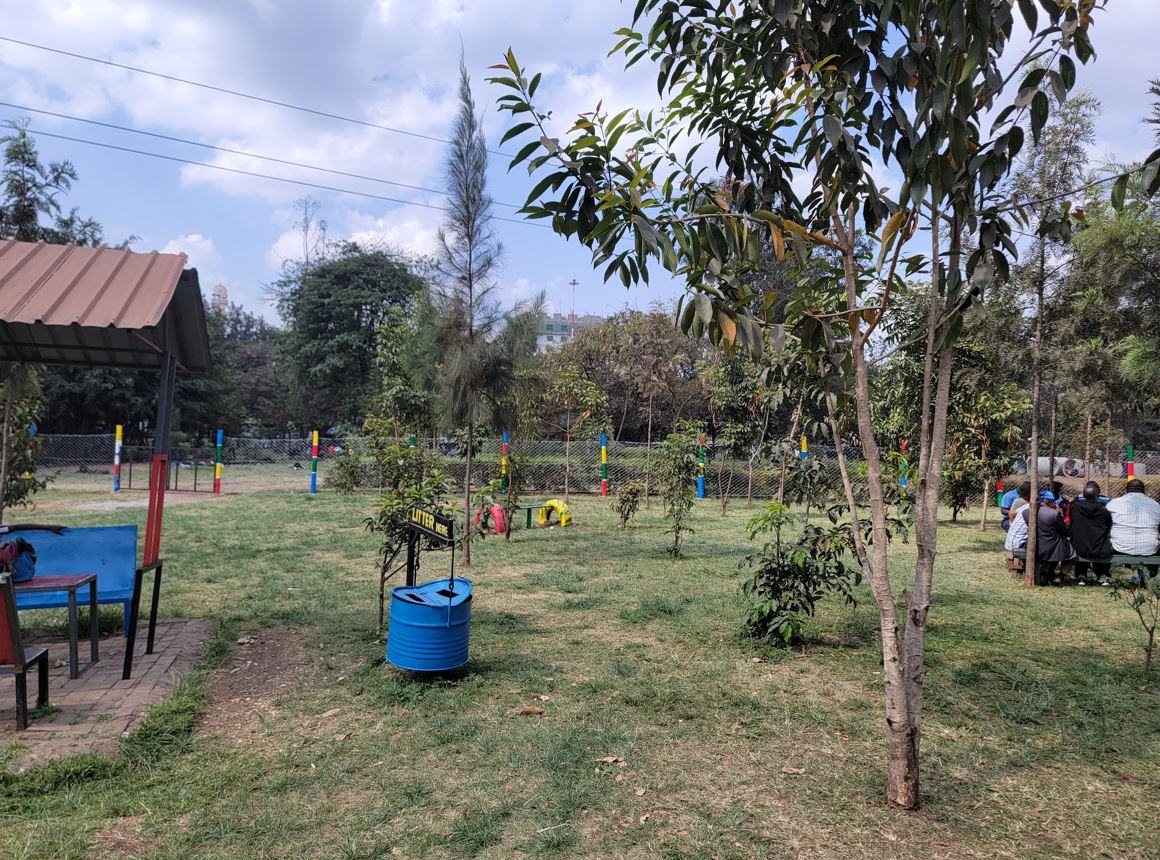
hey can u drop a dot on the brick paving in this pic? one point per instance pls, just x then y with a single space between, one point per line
98 707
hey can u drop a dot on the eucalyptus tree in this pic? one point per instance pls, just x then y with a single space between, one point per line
798 102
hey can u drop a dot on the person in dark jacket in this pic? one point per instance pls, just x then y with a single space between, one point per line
1091 533
1051 543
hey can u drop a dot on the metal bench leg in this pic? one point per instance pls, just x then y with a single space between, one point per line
22 700
131 624
153 609
72 634
42 686
94 625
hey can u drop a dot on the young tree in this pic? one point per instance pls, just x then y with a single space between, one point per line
784 84
574 406
480 347
1049 171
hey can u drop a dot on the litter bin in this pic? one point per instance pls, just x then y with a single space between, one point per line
430 625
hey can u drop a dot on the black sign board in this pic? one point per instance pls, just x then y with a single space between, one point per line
433 525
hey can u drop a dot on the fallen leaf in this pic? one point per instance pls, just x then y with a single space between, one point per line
793 770
619 777
758 660
1127 777
612 759
541 697
645 818
342 737
330 714
640 792
531 711
514 690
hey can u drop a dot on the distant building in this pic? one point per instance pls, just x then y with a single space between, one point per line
557 329
221 298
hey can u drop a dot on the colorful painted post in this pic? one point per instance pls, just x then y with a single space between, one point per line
701 469
314 465
413 441
217 464
805 449
905 466
1131 462
604 464
117 460
503 475
999 492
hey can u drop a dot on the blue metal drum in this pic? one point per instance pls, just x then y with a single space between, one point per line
430 624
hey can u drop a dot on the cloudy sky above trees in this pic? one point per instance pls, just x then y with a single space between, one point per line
391 62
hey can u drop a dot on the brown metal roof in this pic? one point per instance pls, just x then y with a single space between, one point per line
100 307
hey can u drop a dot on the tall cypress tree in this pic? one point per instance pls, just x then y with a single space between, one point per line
479 346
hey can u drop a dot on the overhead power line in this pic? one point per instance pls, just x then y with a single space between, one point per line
225 149
238 93
257 175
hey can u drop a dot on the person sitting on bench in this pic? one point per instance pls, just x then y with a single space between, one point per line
1051 538
1135 522
1091 534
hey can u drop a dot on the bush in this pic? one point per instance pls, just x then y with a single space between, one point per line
627 502
677 468
410 479
789 579
347 473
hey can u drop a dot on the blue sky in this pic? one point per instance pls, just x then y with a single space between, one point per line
392 62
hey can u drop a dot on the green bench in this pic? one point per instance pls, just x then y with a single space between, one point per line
1129 560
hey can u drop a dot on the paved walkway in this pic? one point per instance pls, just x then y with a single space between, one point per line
97 708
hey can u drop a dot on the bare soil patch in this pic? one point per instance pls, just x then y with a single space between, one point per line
264 668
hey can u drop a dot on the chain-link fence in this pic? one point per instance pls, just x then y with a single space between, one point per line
551 467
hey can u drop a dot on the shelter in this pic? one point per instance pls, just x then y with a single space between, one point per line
107 307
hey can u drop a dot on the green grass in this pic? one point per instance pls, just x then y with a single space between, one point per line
1038 740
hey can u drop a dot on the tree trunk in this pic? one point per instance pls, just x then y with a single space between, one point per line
648 452
793 432
467 499
753 456
1108 445
1051 455
1087 448
9 396
567 461
1032 566
986 504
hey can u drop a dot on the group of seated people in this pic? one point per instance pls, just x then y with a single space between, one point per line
1091 527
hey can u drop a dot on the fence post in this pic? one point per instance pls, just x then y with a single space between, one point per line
117 460
905 466
1131 464
701 468
503 475
805 449
314 465
217 464
604 464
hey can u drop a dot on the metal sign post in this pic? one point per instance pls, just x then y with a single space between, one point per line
436 529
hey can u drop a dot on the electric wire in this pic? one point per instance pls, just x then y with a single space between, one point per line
257 175
237 93
225 149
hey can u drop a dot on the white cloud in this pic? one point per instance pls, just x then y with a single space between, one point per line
203 256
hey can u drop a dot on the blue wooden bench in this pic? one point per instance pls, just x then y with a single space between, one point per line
111 553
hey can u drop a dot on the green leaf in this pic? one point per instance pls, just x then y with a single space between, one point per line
523 154
515 131
704 308
1119 189
1040 109
1030 14
1067 70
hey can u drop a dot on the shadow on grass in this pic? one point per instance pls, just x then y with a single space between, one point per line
1095 704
